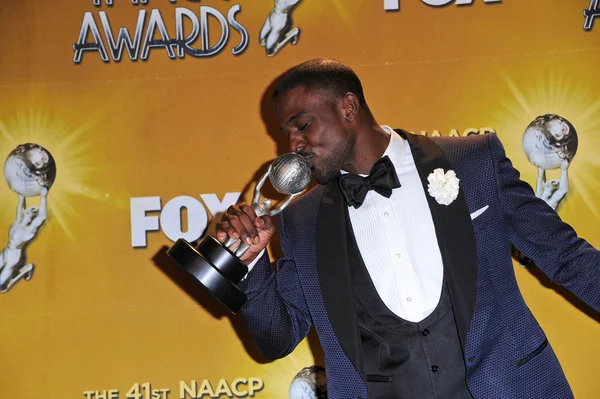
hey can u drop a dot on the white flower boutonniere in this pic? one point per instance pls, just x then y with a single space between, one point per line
443 186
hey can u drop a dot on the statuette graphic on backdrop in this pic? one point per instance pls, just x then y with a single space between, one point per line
550 142
29 171
277 30
217 266
309 383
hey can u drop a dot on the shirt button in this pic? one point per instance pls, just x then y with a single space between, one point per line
425 332
435 368
386 214
408 299
398 256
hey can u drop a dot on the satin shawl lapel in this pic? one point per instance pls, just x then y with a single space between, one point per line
334 272
454 232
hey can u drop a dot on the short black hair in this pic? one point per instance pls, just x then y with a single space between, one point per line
323 74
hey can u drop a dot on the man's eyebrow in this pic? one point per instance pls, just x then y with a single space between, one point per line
296 115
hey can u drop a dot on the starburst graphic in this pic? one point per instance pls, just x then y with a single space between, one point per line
572 99
70 153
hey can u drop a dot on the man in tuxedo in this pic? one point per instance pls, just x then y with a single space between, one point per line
401 256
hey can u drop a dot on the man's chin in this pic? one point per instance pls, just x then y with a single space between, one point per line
323 178
318 177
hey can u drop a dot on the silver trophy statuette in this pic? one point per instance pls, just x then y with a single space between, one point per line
289 174
215 265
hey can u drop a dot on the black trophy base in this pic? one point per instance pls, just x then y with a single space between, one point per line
215 267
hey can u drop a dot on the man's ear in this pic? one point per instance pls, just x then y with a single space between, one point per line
349 106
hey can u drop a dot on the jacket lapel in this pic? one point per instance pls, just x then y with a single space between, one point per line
334 272
454 232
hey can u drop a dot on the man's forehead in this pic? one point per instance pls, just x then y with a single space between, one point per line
302 97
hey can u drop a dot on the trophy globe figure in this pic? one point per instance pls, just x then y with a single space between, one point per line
30 171
216 265
550 142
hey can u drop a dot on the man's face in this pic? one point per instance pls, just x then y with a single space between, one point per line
315 128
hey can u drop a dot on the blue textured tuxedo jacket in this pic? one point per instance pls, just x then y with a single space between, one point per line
506 352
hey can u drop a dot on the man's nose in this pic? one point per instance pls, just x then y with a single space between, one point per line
297 142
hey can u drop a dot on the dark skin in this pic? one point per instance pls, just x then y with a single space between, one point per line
332 133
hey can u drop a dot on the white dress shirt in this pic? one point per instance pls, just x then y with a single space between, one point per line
397 240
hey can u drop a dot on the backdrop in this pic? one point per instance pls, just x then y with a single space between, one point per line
148 118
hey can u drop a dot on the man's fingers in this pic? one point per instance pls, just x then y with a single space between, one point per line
248 210
241 222
252 234
241 226
221 230
248 217
264 222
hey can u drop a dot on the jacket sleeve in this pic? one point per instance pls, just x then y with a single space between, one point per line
276 313
538 232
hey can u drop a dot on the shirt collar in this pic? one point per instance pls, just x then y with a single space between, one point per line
394 150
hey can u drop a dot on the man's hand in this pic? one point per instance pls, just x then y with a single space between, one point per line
240 221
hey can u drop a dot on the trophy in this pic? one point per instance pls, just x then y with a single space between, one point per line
217 266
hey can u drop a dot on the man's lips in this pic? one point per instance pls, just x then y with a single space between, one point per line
309 159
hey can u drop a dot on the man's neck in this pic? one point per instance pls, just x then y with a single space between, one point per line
371 142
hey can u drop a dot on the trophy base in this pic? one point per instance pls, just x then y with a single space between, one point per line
210 276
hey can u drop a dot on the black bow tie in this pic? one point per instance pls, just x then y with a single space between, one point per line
382 179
